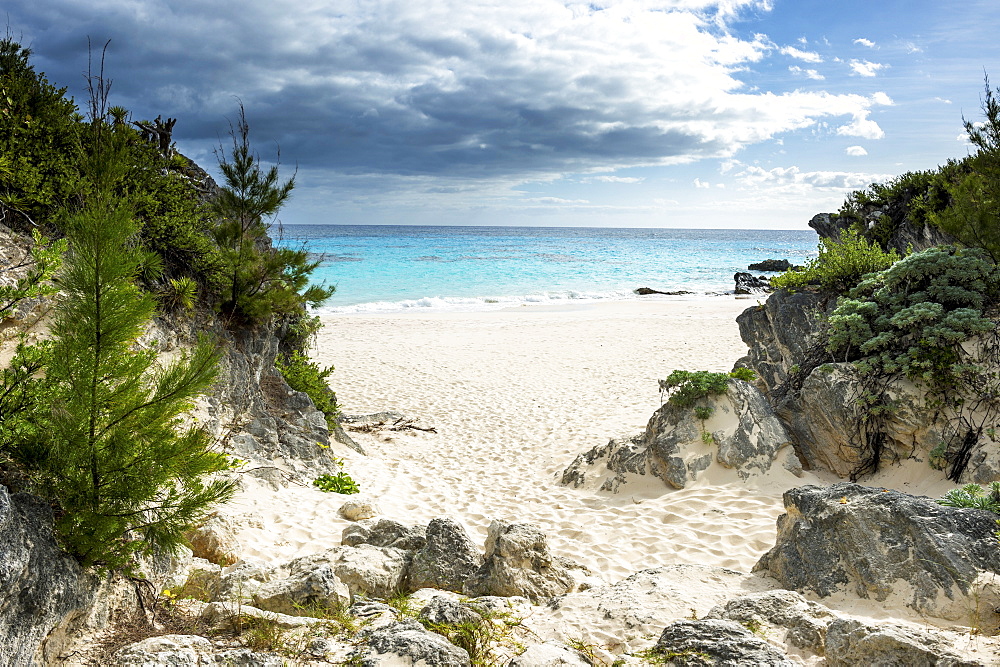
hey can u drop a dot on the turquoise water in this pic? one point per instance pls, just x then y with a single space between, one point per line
393 268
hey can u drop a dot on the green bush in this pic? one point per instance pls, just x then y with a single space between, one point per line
912 318
307 376
840 264
686 387
339 483
974 496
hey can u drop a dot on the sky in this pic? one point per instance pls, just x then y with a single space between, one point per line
752 114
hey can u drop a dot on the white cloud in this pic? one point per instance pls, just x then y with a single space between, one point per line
698 183
613 179
866 67
808 73
794 179
807 56
856 151
942 100
861 127
882 99
865 42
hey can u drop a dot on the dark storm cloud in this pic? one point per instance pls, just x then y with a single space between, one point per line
440 89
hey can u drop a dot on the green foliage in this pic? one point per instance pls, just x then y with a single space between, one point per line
840 264
913 317
745 374
259 280
686 387
307 376
482 638
974 496
39 131
338 483
103 434
703 412
46 257
179 294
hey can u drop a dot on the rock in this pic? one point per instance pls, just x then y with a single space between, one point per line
242 579
773 265
805 622
370 570
447 559
215 541
358 509
518 562
744 433
747 283
871 543
442 610
203 580
389 533
850 642
829 225
782 333
40 585
408 643
716 642
548 654
310 586
646 291
225 614
176 650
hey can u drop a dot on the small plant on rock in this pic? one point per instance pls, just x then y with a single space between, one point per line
974 496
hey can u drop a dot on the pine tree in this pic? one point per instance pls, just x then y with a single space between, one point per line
105 437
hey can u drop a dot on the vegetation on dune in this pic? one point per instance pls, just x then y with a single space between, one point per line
840 264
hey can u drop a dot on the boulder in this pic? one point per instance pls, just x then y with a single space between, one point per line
803 622
447 559
215 541
873 543
747 283
384 533
357 509
772 265
850 642
408 643
518 562
309 586
176 650
716 642
370 570
442 610
743 434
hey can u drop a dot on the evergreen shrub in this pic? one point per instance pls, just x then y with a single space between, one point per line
839 265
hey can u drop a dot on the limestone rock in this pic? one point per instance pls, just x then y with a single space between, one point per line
225 614
371 570
310 586
39 584
745 436
178 650
241 580
389 533
408 643
875 544
803 621
716 642
773 265
443 610
357 509
215 541
548 654
747 283
850 642
518 562
447 559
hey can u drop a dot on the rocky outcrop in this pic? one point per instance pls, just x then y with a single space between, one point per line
773 265
716 642
741 434
781 334
747 283
408 643
873 543
447 559
802 623
518 562
850 642
215 541
903 237
187 650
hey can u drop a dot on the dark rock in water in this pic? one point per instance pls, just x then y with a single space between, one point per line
874 543
716 642
747 283
643 291
775 265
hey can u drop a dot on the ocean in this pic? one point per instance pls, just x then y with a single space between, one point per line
398 268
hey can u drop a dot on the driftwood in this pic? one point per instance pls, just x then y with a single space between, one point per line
158 133
401 424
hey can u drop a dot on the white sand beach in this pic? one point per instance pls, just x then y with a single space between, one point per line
514 395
